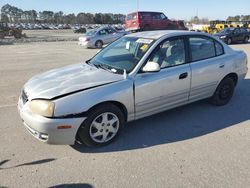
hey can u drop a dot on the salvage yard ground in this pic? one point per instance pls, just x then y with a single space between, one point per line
43 36
197 145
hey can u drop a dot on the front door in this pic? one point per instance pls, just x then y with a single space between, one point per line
168 88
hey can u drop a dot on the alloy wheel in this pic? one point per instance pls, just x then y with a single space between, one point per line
104 127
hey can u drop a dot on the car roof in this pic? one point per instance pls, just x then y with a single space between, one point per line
160 33
144 12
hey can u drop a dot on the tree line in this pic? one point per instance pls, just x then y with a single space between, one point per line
239 18
12 14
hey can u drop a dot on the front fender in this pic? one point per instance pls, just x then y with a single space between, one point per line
77 103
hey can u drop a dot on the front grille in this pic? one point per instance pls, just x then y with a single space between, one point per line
24 97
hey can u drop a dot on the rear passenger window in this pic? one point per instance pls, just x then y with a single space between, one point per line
201 48
219 48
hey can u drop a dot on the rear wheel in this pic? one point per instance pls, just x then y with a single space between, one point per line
102 126
224 92
246 39
98 44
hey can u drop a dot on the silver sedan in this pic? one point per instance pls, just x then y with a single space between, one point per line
96 38
136 76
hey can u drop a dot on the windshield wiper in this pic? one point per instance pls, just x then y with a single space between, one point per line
102 66
105 67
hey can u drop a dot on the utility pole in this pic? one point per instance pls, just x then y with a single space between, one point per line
137 5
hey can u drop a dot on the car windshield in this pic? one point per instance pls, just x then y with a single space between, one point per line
227 31
123 54
91 32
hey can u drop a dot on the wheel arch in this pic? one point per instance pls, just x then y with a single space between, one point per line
233 76
121 106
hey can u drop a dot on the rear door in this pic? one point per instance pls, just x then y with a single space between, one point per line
207 66
244 34
112 35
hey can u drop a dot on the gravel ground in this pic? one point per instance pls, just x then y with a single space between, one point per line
197 145
42 36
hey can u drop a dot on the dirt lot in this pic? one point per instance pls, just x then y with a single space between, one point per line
43 36
197 145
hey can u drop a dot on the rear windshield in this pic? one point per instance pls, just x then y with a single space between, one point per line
132 16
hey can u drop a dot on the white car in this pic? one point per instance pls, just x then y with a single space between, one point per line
136 76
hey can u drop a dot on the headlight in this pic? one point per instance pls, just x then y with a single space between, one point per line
222 37
42 107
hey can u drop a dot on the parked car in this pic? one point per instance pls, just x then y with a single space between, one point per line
145 21
233 35
96 38
136 76
80 30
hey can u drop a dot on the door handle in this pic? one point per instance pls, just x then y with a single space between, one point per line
183 75
222 66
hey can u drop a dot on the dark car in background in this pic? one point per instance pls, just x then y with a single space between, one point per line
234 35
80 30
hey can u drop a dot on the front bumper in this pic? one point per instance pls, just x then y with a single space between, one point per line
224 39
46 129
86 44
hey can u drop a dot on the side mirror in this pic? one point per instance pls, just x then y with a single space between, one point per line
151 67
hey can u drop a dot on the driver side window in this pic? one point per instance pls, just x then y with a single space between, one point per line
170 53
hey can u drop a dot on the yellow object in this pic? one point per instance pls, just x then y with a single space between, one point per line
144 47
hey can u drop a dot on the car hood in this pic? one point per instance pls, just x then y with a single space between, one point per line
66 80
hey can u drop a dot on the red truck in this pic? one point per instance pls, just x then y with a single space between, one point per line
144 21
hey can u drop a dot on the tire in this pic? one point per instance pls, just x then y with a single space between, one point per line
17 35
223 92
229 41
98 44
246 39
96 131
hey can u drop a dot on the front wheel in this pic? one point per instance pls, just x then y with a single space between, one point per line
102 126
229 41
224 92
